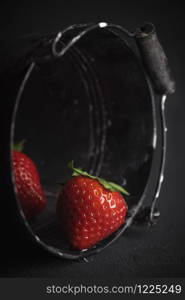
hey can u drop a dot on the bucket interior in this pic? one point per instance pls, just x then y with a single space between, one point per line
92 106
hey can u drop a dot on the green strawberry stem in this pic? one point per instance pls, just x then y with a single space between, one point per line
19 146
107 184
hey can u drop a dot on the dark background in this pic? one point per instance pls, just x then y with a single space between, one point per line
142 252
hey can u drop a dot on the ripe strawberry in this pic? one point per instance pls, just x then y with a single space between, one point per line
90 209
28 186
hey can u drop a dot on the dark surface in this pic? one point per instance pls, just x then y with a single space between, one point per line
142 251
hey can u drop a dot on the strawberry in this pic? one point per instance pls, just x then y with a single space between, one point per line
89 209
28 186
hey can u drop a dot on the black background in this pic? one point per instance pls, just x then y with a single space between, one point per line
142 252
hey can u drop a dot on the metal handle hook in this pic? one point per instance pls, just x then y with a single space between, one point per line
154 59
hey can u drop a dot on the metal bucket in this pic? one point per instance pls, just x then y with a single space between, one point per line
93 93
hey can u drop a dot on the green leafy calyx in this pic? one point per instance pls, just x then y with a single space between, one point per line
107 184
19 146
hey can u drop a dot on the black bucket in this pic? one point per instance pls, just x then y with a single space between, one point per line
89 94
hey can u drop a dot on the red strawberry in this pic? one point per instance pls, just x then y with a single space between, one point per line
90 209
28 186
